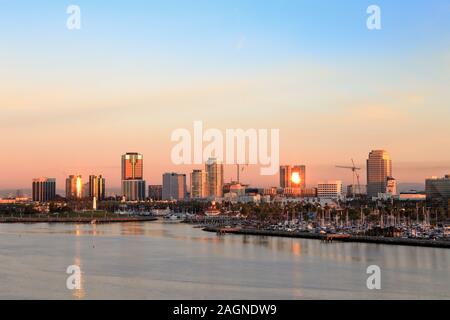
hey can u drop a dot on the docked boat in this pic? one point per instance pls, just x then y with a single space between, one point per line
161 212
174 217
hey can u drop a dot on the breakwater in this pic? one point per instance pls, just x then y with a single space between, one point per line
323 237
48 219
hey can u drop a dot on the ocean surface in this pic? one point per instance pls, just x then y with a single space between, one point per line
157 260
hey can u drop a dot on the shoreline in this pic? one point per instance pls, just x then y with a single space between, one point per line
82 220
314 236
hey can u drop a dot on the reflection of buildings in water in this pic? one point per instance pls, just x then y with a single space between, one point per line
77 230
79 293
262 241
94 229
259 240
280 243
296 248
134 229
85 230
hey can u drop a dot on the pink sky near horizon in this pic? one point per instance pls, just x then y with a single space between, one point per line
55 126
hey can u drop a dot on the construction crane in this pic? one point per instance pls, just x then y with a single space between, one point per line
239 169
355 174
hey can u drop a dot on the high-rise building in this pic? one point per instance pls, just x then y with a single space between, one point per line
298 177
293 176
438 190
43 189
85 191
214 172
133 190
74 187
96 187
133 185
155 192
174 186
379 169
285 176
199 184
329 189
132 166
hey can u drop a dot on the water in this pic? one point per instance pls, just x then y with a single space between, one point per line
156 260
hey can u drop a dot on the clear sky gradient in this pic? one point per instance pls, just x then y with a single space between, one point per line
74 101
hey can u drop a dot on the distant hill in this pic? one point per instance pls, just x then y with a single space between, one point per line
403 187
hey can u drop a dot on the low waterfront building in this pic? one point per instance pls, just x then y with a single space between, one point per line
329 189
250 199
412 196
230 197
292 192
273 191
14 200
309 193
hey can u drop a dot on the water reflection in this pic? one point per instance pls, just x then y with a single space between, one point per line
175 261
297 248
79 293
132 229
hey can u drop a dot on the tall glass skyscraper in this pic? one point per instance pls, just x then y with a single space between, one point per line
133 185
74 187
199 184
132 166
293 177
214 171
379 169
96 187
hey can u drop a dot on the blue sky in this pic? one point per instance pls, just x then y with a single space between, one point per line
200 33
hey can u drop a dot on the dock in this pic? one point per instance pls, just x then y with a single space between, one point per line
77 220
328 238
339 237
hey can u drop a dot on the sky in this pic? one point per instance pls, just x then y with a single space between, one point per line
73 101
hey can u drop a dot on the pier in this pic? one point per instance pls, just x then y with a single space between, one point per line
81 220
330 237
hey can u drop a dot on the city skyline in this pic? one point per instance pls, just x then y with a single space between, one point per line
379 163
229 173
